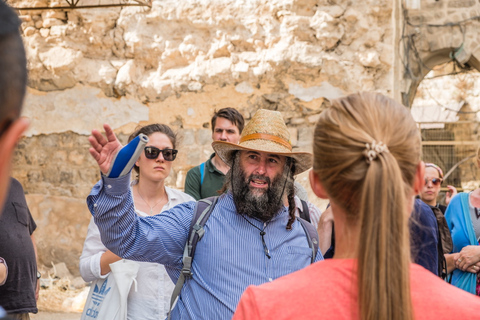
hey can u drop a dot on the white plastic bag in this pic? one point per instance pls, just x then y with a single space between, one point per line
107 299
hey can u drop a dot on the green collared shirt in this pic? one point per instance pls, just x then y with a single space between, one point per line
212 181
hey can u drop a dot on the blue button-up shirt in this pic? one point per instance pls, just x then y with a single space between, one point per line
229 257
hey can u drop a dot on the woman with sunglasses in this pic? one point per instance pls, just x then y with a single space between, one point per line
463 218
367 152
433 183
151 197
429 194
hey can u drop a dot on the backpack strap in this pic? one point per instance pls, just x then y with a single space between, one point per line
202 173
312 237
305 214
202 212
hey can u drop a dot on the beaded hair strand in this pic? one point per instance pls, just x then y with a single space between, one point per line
291 196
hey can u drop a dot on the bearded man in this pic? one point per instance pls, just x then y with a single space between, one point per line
250 237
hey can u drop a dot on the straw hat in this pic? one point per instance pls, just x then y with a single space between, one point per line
265 132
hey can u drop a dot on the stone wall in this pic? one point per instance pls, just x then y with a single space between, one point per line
175 63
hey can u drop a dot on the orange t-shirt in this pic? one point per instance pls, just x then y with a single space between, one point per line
328 290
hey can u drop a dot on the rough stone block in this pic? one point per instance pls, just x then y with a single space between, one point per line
293 136
43 31
59 156
59 59
369 58
297 121
193 156
186 137
416 18
47 23
77 283
328 31
433 5
37 158
28 32
305 136
335 11
180 181
54 14
76 157
58 31
60 270
204 137
461 3
35 176
456 39
313 118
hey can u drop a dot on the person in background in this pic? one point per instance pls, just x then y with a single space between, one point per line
151 197
206 179
425 241
429 195
431 189
367 152
13 81
19 293
463 218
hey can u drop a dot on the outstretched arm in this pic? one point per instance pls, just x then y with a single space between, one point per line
160 238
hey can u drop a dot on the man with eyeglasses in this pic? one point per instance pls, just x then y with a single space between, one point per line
250 237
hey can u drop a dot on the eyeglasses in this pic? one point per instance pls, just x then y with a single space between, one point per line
153 153
435 181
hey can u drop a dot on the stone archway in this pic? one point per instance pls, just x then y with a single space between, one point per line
436 33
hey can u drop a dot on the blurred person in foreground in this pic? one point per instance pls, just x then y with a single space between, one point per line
13 80
19 294
367 151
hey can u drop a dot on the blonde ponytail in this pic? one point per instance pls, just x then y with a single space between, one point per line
373 188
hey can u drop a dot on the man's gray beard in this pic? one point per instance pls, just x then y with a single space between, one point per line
263 206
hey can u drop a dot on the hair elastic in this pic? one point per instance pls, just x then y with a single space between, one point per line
372 150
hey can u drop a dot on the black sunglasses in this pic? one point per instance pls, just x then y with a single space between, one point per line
435 181
153 153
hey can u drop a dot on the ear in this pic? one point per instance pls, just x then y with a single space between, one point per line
419 181
317 186
8 142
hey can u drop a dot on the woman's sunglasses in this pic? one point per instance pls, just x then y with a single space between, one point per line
153 153
435 181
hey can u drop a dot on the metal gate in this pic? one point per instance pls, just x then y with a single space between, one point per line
453 147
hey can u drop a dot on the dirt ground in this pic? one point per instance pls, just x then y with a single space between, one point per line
44 315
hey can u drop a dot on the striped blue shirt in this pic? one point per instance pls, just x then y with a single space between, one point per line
229 257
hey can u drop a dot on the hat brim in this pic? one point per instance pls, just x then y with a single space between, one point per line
303 160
